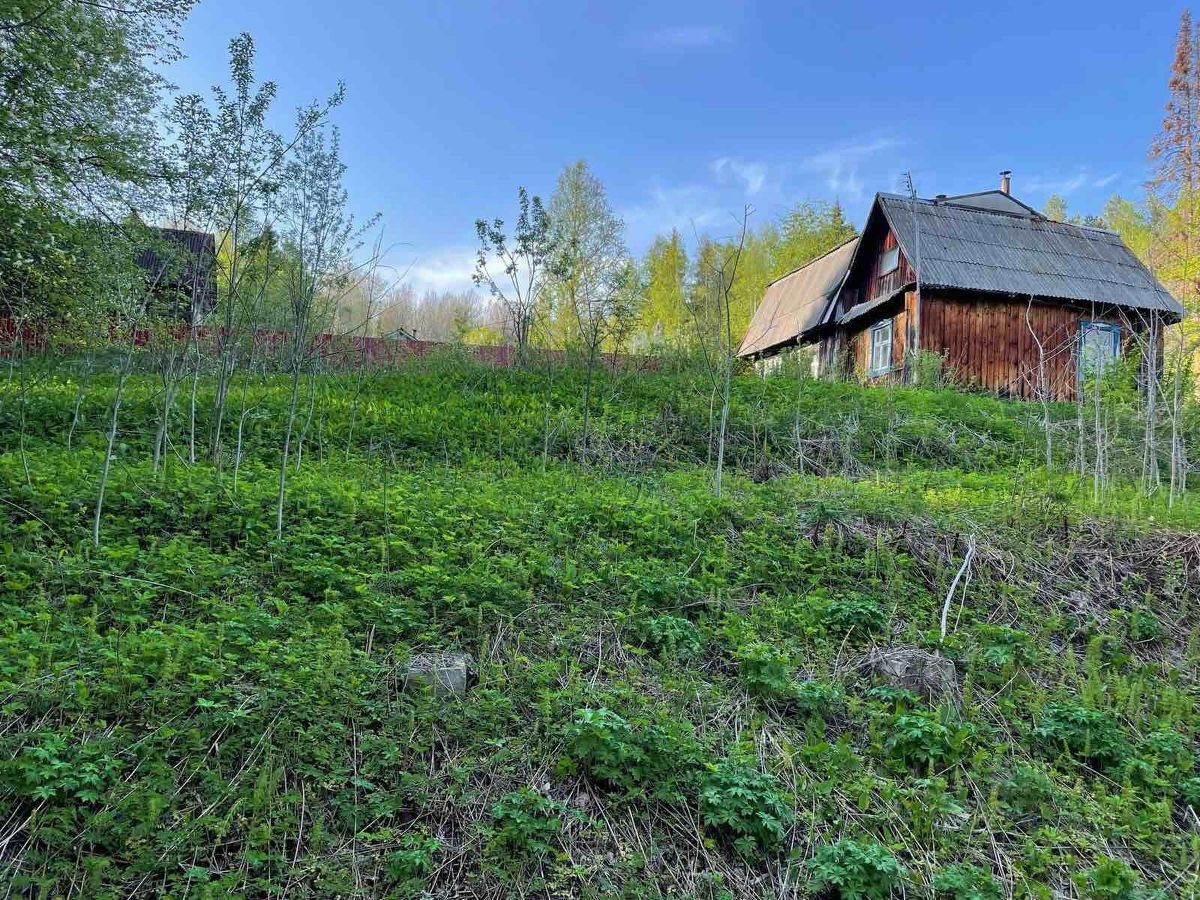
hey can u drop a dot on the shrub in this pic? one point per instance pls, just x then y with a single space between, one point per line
654 760
926 738
412 864
1087 734
855 615
765 671
1112 879
1143 627
746 803
670 637
816 699
1189 792
1027 793
1003 648
967 882
854 870
527 821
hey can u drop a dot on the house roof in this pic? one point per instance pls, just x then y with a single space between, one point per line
975 245
796 302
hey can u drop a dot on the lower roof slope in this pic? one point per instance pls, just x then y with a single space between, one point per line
796 302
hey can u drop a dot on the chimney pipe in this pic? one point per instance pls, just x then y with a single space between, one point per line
1006 181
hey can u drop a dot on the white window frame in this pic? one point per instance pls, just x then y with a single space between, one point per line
880 345
889 260
1088 327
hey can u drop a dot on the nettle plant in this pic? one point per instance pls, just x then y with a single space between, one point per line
1090 735
526 822
1113 879
765 671
925 738
1002 650
966 882
854 615
654 760
671 638
740 800
854 870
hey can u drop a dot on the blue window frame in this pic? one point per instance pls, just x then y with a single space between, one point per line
1099 347
881 348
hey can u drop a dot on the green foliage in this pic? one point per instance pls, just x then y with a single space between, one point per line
964 881
1112 879
1090 735
738 799
648 760
1028 793
924 738
526 822
854 615
765 671
671 637
199 701
854 870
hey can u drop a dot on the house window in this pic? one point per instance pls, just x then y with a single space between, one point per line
881 348
890 260
1099 346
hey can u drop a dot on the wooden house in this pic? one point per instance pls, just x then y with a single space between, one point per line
181 270
1012 302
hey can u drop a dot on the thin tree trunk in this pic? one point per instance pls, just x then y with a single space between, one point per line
112 438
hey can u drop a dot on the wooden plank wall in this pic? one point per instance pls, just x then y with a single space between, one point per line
860 343
988 344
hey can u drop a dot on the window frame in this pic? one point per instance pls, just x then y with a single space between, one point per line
1089 326
894 252
877 329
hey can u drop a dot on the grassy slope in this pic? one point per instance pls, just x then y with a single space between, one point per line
197 709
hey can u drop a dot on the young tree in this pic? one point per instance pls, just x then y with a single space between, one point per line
514 273
591 273
313 206
664 311
712 307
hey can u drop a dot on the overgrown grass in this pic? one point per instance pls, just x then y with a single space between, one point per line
669 697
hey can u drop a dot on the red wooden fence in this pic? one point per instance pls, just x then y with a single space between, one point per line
332 350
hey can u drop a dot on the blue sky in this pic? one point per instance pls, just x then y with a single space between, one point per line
690 110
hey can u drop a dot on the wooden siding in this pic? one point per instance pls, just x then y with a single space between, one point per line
992 343
867 284
859 341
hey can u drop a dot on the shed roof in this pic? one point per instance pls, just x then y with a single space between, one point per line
795 303
969 247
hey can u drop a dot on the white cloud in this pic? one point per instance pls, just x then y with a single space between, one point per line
1069 184
440 269
681 37
839 166
752 174
683 207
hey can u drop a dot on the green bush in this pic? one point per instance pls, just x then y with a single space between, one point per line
1113 879
526 822
1028 793
670 637
926 738
854 870
654 760
816 699
1087 734
967 882
1003 649
745 803
854 615
765 671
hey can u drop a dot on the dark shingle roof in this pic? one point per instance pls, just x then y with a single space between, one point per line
795 303
969 247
